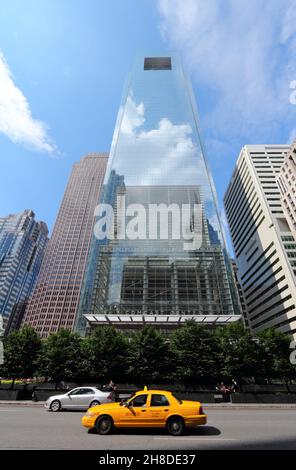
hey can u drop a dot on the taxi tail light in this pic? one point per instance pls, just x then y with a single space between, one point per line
201 411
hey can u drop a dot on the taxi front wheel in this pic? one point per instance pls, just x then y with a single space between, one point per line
176 426
104 425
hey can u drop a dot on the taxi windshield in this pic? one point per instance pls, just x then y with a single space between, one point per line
130 398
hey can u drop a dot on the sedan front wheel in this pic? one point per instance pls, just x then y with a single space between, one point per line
55 405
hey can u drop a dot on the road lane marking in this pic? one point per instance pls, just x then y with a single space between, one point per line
7 409
197 438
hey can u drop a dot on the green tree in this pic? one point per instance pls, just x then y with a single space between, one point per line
21 349
106 350
239 353
149 355
61 356
196 353
274 347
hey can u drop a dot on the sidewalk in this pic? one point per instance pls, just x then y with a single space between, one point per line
22 403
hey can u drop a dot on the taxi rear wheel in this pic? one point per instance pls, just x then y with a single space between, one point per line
104 425
176 426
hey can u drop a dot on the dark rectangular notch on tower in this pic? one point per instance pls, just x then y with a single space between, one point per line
157 63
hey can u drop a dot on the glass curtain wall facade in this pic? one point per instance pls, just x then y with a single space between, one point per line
157 163
22 245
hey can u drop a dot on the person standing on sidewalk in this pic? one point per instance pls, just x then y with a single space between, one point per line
112 387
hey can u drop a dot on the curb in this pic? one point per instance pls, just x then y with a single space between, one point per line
208 406
250 406
22 403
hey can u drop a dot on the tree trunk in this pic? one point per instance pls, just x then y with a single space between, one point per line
12 384
287 385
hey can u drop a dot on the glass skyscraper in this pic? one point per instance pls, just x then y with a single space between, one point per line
157 181
22 245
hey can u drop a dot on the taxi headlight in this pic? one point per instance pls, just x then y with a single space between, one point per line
90 414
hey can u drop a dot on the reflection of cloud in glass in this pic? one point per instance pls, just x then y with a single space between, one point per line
133 116
158 155
165 153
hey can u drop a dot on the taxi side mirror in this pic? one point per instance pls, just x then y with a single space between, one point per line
125 404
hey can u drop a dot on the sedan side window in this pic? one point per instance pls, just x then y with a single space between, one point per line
79 391
139 400
159 400
75 392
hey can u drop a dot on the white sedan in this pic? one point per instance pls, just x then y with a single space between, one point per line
80 398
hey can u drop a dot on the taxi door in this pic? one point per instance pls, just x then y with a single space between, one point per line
159 409
136 413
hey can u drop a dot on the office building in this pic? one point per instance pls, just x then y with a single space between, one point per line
22 244
54 303
240 294
287 185
143 270
264 247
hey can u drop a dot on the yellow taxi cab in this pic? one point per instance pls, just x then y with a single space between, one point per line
146 409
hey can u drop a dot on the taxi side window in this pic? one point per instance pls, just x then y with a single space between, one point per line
139 400
159 400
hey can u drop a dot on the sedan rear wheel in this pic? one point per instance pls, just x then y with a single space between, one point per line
55 405
104 425
94 403
176 426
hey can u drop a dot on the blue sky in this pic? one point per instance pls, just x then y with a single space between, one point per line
64 63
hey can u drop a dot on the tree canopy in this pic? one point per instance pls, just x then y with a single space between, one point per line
60 358
191 354
107 350
21 350
149 355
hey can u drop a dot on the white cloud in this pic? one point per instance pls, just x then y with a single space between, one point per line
16 121
242 54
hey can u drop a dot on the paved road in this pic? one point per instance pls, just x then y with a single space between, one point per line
35 428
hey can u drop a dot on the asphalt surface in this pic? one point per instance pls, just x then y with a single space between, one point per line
32 427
